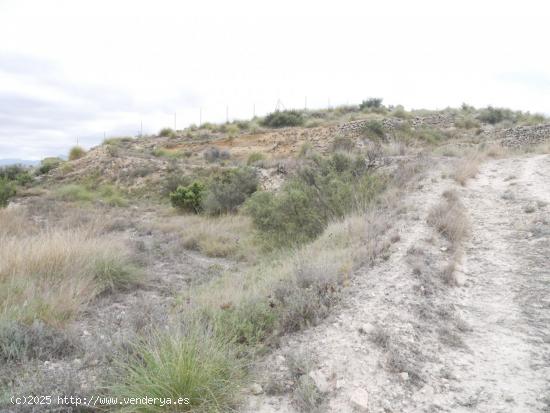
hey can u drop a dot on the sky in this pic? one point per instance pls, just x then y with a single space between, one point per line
76 71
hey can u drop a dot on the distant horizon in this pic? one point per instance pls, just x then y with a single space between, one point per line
85 69
90 142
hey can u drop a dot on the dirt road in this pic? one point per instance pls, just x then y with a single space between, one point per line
405 341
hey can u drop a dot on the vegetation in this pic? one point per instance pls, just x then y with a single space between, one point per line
322 190
213 154
107 194
76 152
371 103
192 365
16 173
255 157
495 115
188 198
373 130
167 133
7 190
280 119
48 164
50 275
229 189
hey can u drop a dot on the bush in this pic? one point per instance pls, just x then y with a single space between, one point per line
229 189
20 342
7 190
76 152
373 130
496 115
343 143
188 198
213 154
323 190
255 157
371 103
195 366
279 119
48 164
16 173
167 133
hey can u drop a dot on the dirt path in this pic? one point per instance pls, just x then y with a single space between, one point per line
404 341
507 367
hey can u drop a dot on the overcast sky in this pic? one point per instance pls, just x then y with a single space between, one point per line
80 68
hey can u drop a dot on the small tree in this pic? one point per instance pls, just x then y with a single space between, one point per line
188 198
371 103
7 190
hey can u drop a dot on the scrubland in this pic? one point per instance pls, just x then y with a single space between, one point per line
172 265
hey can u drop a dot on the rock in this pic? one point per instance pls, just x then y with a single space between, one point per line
359 399
320 380
256 389
404 376
366 328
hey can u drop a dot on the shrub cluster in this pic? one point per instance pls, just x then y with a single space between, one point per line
48 164
7 190
188 198
16 173
371 103
229 189
496 115
373 130
213 154
280 119
322 190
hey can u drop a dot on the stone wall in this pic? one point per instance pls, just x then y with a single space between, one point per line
525 135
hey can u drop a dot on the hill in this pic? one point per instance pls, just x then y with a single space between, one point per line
364 258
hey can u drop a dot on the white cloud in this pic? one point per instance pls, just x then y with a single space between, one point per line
79 68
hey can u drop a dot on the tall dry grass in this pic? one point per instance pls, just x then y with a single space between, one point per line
51 274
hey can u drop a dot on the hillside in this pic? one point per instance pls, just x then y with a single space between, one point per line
363 258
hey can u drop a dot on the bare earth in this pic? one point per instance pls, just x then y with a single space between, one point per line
404 341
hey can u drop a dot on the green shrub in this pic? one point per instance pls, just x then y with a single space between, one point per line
75 192
192 365
250 323
76 152
371 103
325 189
255 157
280 119
16 173
229 189
48 164
7 190
188 198
496 115
343 143
167 133
373 130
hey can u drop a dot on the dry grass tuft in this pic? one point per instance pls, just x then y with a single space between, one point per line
449 218
228 236
50 275
466 169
